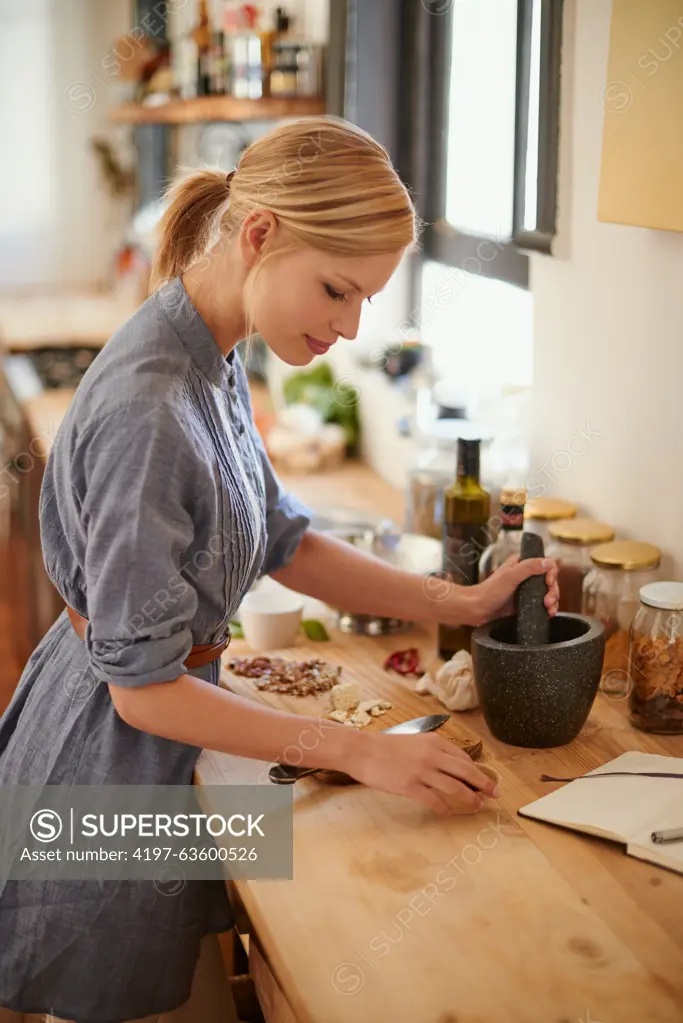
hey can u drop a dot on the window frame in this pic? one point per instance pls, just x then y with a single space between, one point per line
426 59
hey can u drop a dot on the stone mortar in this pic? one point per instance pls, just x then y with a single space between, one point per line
538 696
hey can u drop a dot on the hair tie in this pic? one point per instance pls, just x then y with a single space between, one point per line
229 178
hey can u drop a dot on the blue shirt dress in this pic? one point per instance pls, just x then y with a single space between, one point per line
158 510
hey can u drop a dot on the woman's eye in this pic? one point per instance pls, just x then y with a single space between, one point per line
338 296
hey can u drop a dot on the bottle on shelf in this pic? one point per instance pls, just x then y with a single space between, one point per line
465 536
268 36
185 67
219 63
509 539
232 21
285 51
202 38
244 46
232 17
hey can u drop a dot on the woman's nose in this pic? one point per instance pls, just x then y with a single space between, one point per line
346 324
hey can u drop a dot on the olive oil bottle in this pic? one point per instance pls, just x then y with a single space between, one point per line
465 536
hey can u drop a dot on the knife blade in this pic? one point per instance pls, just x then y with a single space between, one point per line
285 774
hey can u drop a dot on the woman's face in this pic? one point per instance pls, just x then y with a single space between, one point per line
303 301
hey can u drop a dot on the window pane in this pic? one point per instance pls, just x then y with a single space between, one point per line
479 329
531 166
481 122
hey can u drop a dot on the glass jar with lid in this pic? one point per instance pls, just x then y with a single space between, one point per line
611 593
541 512
571 544
431 472
656 659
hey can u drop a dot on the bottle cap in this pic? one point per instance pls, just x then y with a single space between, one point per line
468 456
549 508
582 531
627 555
513 496
282 19
668 596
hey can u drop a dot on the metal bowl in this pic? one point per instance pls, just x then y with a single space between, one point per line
330 518
411 552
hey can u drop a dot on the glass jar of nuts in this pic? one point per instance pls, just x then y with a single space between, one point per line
656 660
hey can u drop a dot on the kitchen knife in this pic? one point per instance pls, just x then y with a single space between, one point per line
285 774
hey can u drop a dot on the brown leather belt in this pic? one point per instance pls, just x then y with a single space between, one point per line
197 657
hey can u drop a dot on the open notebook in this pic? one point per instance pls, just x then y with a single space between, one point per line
622 809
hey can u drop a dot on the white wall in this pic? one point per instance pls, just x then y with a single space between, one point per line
608 341
57 223
316 19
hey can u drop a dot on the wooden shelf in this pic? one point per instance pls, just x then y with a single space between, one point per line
217 108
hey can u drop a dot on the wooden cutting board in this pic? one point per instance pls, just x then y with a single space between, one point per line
361 659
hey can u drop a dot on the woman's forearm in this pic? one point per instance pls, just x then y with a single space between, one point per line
201 714
345 577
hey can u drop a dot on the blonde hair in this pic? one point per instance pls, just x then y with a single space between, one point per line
328 183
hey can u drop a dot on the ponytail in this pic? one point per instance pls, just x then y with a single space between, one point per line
192 216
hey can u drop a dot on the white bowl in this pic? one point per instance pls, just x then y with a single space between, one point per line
270 618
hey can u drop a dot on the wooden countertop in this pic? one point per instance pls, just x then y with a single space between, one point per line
396 914
44 413
353 485
63 319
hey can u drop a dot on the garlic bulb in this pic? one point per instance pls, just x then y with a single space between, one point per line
455 682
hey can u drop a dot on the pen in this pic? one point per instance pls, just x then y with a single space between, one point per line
674 835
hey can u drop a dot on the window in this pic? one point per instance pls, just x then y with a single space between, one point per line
479 330
480 153
480 127
489 74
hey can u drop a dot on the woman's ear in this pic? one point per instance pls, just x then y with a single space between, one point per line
258 232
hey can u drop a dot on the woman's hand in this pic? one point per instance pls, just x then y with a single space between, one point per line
427 768
494 598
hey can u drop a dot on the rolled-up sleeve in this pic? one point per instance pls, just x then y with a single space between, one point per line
135 512
287 518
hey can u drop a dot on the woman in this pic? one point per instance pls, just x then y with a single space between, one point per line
159 510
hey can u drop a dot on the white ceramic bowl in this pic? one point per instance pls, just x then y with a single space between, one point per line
271 618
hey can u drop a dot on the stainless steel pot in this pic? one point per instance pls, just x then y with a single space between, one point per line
410 552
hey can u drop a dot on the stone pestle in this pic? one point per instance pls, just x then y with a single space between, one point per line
533 620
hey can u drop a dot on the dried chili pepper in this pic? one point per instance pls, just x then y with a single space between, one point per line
404 662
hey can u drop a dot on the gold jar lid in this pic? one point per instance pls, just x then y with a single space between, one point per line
511 495
582 531
549 508
628 555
